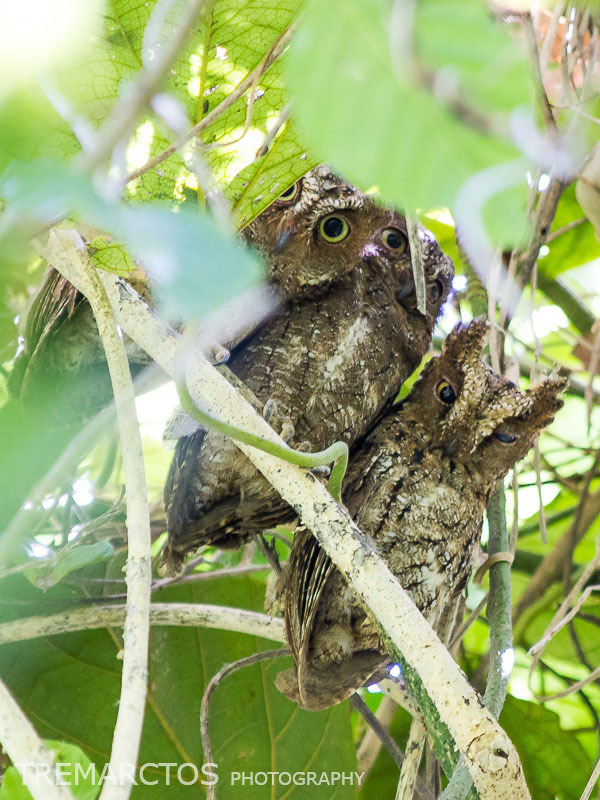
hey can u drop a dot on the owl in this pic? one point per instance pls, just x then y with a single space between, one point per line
63 355
332 357
418 485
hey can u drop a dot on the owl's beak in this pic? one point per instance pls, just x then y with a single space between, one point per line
405 291
284 239
451 448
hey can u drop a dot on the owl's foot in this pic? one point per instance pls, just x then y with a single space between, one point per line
172 562
331 646
279 422
269 552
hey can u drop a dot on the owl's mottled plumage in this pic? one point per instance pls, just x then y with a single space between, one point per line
331 359
418 486
63 358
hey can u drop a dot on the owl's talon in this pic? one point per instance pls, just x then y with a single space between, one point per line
219 354
279 422
269 409
322 470
304 447
287 431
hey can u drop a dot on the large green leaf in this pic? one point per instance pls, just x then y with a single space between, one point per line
362 111
69 686
75 771
559 768
573 247
228 42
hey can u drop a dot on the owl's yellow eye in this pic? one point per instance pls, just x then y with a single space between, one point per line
334 228
394 239
445 392
505 438
291 194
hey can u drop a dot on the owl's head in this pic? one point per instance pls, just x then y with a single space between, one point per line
322 228
478 416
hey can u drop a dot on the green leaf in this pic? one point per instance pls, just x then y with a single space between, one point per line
70 683
574 247
111 256
460 40
76 772
555 763
195 266
376 125
229 41
258 184
68 560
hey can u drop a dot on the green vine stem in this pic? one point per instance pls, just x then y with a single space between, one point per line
336 454
501 635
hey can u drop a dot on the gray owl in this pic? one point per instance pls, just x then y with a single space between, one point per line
329 361
418 485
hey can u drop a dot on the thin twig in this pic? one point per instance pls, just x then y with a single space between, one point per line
274 130
195 577
375 725
591 782
410 769
370 745
574 687
223 673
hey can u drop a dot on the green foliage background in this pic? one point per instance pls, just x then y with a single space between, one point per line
358 105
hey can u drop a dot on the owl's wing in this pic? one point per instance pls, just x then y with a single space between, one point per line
360 482
54 303
308 569
178 499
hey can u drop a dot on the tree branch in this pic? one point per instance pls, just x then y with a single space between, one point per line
27 751
113 616
490 756
130 717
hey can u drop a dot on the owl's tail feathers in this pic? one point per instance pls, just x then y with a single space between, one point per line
323 688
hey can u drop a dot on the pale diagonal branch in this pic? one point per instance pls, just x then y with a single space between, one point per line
490 756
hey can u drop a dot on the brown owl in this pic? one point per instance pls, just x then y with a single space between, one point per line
418 486
63 354
329 361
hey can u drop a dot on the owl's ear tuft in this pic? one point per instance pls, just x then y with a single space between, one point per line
545 400
466 341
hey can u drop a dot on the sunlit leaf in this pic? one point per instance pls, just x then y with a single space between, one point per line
360 109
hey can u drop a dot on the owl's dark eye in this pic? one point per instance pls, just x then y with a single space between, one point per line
291 194
394 239
437 290
505 438
445 392
334 228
